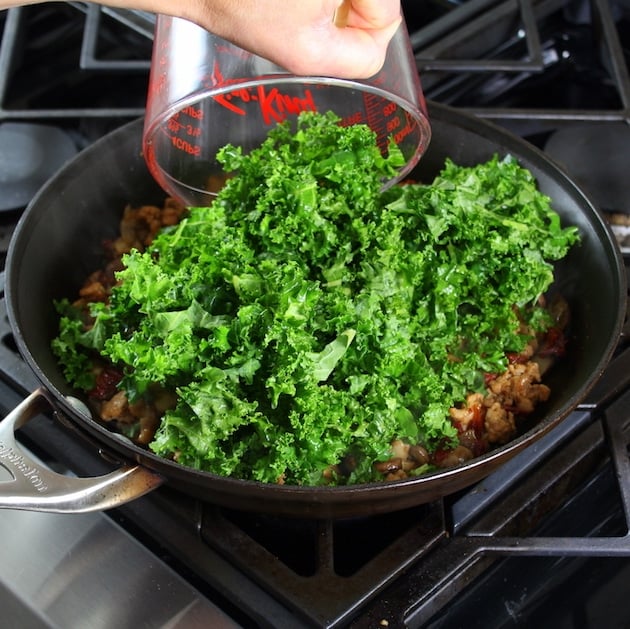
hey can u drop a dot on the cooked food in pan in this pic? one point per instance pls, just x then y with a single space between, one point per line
309 328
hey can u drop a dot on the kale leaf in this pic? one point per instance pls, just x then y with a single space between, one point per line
305 316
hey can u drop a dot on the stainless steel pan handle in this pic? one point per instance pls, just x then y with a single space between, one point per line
34 487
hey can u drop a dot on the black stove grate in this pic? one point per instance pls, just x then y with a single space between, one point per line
95 75
530 65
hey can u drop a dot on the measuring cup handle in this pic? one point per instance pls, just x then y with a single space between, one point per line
34 487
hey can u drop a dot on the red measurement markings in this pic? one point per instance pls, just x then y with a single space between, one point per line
193 112
408 129
184 145
355 118
375 115
386 119
174 126
179 126
178 123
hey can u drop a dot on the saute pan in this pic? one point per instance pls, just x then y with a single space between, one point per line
58 242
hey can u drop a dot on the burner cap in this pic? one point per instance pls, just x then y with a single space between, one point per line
596 158
29 155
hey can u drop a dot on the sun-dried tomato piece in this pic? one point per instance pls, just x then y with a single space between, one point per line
106 384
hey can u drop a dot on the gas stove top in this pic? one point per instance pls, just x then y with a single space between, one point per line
544 540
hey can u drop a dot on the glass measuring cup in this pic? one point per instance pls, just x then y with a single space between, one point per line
205 92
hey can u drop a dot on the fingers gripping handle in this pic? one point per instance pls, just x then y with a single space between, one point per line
34 487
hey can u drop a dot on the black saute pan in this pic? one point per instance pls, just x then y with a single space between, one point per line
58 242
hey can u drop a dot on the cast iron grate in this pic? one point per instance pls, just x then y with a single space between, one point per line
529 65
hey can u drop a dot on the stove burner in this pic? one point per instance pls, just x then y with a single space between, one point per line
596 158
29 155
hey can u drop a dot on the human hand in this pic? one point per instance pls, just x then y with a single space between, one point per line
299 35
